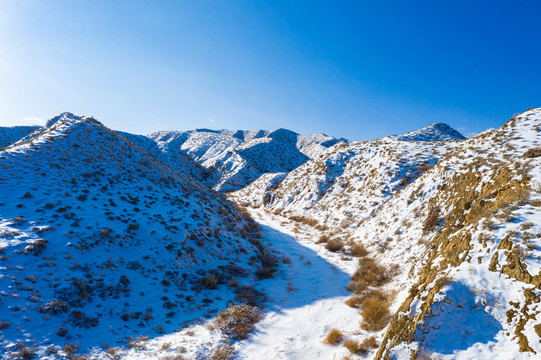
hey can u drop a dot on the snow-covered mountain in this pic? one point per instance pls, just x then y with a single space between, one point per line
436 237
100 240
236 158
448 235
432 132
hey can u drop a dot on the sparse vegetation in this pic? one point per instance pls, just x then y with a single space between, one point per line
4 324
222 352
375 311
358 250
237 321
23 352
334 245
432 220
361 348
369 274
532 153
334 337
355 347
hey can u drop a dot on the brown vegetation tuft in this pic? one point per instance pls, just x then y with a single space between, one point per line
334 245
532 153
369 274
432 220
334 337
375 311
237 321
358 250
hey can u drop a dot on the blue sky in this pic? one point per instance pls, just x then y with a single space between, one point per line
355 69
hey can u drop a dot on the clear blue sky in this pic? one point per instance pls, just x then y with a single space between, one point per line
356 69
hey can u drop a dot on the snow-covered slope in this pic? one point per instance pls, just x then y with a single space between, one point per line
346 184
432 132
10 135
475 290
100 240
236 158
439 238
177 160
447 234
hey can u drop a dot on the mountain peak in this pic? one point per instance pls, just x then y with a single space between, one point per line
68 117
433 132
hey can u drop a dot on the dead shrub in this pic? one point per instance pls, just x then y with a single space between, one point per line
70 349
249 295
355 347
24 352
269 264
237 321
369 274
304 220
222 352
334 337
334 245
264 273
322 239
358 250
4 324
432 220
361 348
210 281
370 343
355 301
532 153
54 307
375 311
36 247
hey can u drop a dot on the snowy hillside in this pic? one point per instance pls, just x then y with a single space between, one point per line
10 135
445 235
176 160
101 241
345 185
423 245
236 158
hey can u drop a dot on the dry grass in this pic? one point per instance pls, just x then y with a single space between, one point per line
355 347
237 321
334 337
334 245
355 301
369 274
304 220
432 220
323 239
375 311
222 352
358 250
532 153
361 348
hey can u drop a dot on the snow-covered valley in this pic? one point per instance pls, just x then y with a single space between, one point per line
269 244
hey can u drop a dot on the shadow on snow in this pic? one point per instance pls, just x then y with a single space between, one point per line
457 322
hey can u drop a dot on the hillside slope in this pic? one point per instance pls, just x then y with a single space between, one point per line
446 235
101 241
476 291
346 184
12 134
